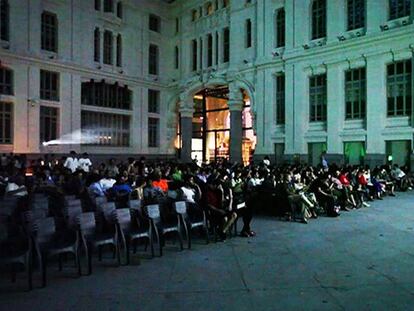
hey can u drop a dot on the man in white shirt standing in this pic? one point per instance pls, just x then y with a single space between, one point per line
85 163
71 162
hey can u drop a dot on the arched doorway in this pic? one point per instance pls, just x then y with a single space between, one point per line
211 126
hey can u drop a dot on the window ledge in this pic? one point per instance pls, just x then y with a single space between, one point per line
315 126
354 124
398 121
49 54
5 44
111 17
7 97
49 102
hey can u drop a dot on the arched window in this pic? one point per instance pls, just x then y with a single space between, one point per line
107 47
119 12
248 33
399 8
97 45
5 20
356 14
318 19
119 51
49 34
280 28
209 8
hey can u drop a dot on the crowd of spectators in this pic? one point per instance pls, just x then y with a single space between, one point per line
224 190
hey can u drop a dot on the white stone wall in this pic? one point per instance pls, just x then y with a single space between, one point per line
74 61
253 69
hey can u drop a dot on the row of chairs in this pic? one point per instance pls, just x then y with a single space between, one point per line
42 236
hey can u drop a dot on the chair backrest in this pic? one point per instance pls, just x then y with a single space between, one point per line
76 202
122 217
107 210
71 215
100 200
70 197
153 212
44 229
87 223
135 204
180 207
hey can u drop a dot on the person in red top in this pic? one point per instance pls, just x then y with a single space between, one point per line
343 178
363 187
160 182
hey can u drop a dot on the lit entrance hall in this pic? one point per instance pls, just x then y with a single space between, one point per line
217 125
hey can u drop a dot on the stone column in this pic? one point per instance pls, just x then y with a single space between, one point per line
186 115
236 124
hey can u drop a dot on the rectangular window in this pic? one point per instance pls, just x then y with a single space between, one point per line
109 6
153 60
280 28
49 85
154 23
209 50
317 98
153 101
176 58
194 52
97 5
355 94
109 129
49 32
399 90
177 25
318 19
97 45
107 48
119 51
119 10
153 132
6 81
106 95
6 123
356 14
217 48
4 20
280 99
49 123
201 53
248 33
226 45
399 8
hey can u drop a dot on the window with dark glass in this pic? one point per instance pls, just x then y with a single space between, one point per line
194 54
103 94
153 132
110 129
355 94
108 6
209 50
317 98
49 85
97 5
153 101
280 28
226 45
5 20
119 50
6 81
107 47
318 19
177 25
154 23
225 3
49 32
248 33
49 123
176 57
153 60
399 8
97 45
119 10
6 123
356 14
201 53
399 91
280 99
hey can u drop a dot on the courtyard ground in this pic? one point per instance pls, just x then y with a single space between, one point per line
363 260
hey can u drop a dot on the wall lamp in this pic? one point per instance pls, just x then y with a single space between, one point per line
275 54
384 27
245 61
305 46
341 38
358 34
